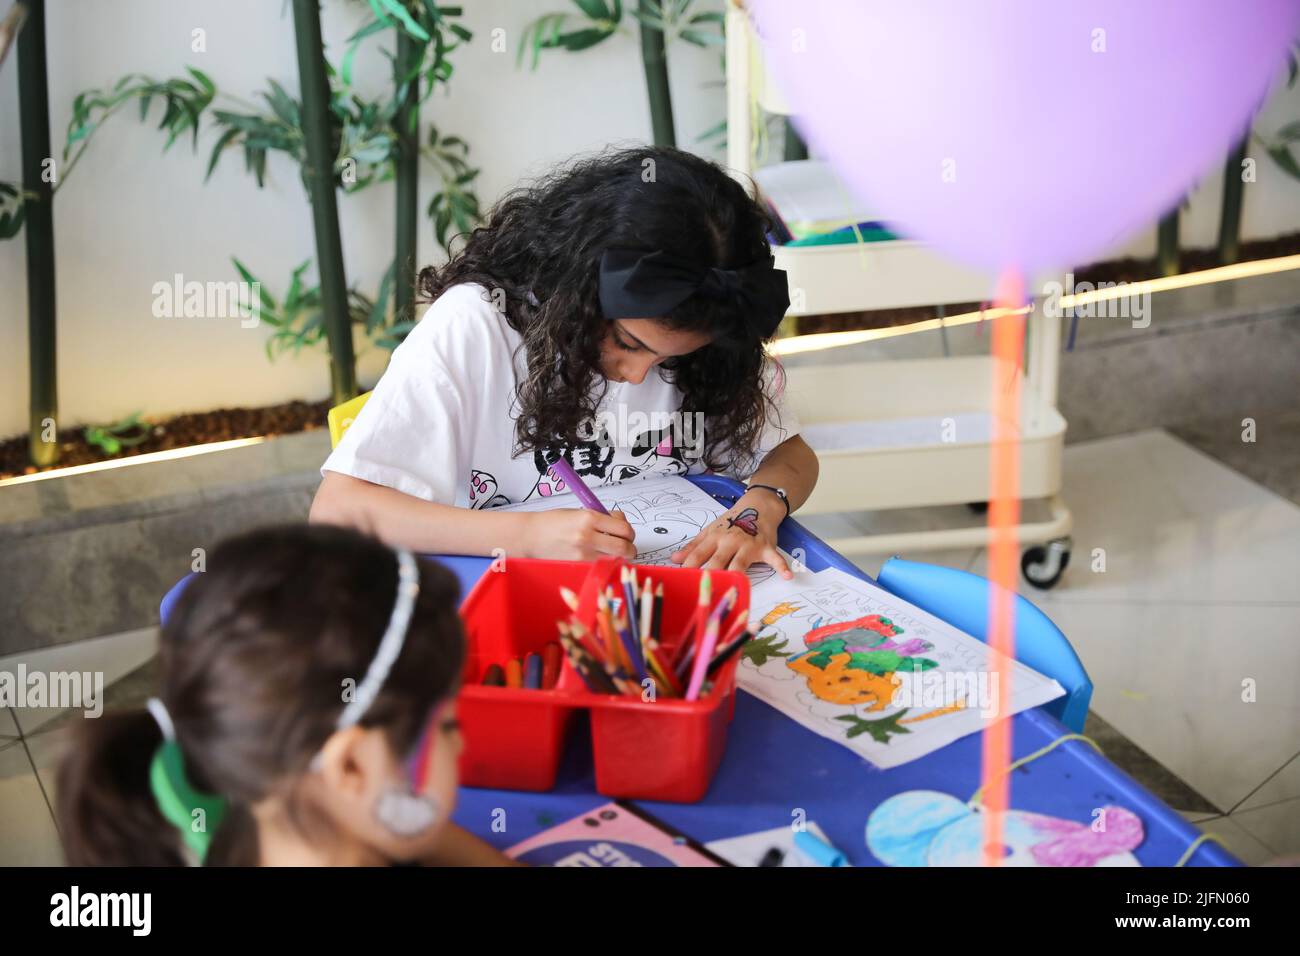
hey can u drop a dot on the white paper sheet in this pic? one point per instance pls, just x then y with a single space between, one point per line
749 850
665 513
831 687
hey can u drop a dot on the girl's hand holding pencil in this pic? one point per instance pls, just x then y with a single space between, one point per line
578 534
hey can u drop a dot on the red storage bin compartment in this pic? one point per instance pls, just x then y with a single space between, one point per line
665 749
514 737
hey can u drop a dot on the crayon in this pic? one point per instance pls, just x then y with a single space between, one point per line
550 665
514 673
773 857
533 671
494 677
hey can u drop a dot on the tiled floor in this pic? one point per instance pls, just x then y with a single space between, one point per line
1197 596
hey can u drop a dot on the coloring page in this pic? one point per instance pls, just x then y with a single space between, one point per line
853 663
665 512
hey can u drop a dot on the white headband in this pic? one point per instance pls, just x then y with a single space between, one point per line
390 645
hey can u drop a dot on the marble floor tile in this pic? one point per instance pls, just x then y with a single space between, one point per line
1277 826
1172 525
28 836
1281 786
1197 598
1239 841
114 656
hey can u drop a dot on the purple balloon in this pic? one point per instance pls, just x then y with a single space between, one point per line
1024 133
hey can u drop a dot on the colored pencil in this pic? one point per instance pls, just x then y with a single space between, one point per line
647 613
605 624
695 627
551 665
723 655
570 599
657 621
631 646
629 596
702 657
593 676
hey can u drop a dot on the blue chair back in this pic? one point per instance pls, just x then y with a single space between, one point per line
962 599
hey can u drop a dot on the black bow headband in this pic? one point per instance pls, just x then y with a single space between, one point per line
640 284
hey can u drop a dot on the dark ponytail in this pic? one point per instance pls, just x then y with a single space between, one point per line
106 811
254 659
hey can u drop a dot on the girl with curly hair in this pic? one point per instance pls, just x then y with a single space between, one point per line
615 313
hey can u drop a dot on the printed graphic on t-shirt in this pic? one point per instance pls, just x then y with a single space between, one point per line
654 452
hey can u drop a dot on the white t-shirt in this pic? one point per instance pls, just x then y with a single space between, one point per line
440 425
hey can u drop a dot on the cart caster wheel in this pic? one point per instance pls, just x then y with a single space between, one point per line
1043 566
978 507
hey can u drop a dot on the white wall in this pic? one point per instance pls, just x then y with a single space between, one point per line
129 217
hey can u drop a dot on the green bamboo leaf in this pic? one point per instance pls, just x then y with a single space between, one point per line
396 9
1282 156
584 39
702 39
594 9
379 309
208 86
221 144
268 303
1290 132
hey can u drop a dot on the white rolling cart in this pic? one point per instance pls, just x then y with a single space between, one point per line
910 433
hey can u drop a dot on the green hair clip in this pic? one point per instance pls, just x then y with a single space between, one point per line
196 814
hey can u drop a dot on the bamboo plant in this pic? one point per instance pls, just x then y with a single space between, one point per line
660 21
318 172
37 211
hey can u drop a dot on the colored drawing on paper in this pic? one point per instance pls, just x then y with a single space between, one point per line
929 828
857 665
665 513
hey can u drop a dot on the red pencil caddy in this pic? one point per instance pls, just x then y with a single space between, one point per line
660 749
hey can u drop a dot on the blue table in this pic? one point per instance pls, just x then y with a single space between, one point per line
774 767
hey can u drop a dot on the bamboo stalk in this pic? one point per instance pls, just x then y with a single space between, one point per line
795 147
1168 258
1230 211
34 125
407 179
318 171
654 56
10 28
